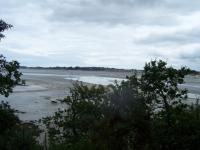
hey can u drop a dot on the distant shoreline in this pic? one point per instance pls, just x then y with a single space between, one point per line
83 69
193 72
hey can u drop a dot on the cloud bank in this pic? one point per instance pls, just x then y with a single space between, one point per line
109 33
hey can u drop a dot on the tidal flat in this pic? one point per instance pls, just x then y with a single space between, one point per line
44 89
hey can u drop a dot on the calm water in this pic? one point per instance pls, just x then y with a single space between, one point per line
95 79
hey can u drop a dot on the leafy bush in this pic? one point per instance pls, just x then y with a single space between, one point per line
144 113
14 135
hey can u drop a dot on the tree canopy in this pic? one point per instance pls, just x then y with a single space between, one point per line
9 73
14 134
142 113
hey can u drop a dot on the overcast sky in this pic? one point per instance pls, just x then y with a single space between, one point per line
109 33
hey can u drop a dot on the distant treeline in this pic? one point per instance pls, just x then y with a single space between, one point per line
81 68
193 72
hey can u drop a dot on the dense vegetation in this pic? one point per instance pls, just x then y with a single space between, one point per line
14 134
9 74
142 113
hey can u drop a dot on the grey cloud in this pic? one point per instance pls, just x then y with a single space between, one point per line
52 60
182 6
177 38
142 3
109 11
67 31
122 11
106 11
195 56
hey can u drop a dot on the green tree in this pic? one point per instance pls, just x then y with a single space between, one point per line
14 134
104 118
160 85
142 113
3 26
73 127
9 73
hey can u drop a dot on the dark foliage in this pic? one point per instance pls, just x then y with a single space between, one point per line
9 74
14 135
3 26
146 113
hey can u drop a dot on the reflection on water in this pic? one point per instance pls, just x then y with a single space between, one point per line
95 79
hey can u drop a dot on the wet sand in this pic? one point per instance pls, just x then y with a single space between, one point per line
44 88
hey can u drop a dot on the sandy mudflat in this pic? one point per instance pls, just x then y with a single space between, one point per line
44 86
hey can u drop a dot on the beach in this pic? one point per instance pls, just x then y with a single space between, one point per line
44 89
